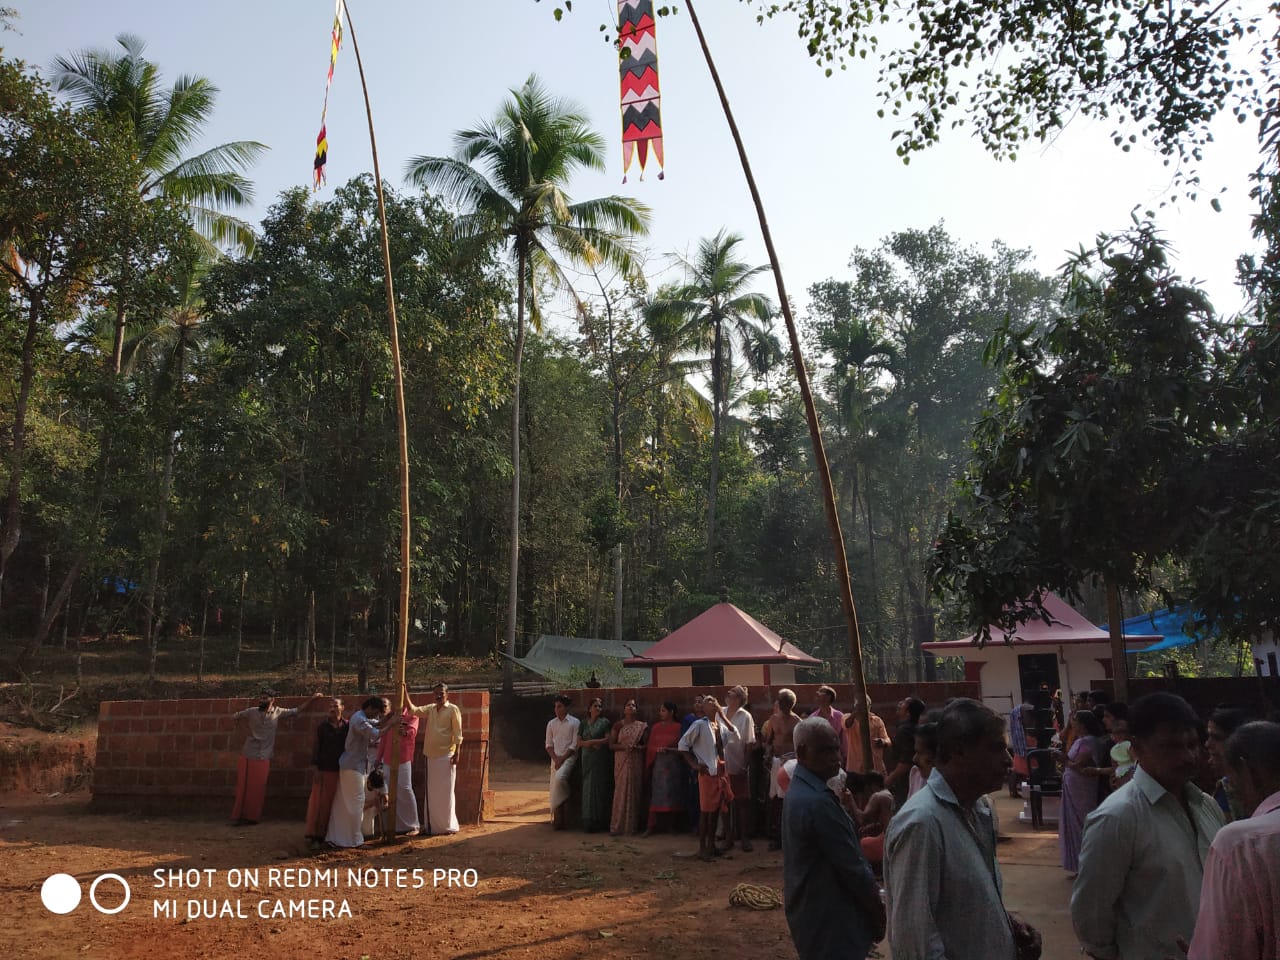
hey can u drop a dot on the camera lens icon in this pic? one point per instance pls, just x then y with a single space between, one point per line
60 893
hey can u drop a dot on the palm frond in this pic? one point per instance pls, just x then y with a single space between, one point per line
453 180
622 215
175 122
216 231
214 176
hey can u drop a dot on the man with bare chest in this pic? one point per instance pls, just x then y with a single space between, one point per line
779 747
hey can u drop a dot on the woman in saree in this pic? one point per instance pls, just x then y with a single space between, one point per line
597 778
664 770
1084 764
627 744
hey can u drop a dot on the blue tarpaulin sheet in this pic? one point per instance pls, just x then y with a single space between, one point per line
1176 626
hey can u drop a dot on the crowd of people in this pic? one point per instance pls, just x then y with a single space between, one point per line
901 843
352 767
1170 825
640 777
715 774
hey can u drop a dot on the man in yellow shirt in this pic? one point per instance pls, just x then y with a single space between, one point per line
442 739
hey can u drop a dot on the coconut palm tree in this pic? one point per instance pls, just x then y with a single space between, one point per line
127 87
509 177
721 316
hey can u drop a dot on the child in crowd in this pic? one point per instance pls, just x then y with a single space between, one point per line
375 804
1121 764
871 807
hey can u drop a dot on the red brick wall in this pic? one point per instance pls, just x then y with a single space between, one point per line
179 756
884 697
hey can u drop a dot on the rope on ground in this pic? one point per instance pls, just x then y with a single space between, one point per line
755 896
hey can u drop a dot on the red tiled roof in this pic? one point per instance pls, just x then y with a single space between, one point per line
1066 626
723 634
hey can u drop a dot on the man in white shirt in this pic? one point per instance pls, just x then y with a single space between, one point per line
562 732
1240 900
736 753
703 746
1142 860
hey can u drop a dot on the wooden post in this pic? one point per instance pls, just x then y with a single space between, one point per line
333 639
811 413
204 624
244 582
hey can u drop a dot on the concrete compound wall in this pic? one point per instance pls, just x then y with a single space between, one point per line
179 757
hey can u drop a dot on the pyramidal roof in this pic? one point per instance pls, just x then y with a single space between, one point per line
723 634
1065 625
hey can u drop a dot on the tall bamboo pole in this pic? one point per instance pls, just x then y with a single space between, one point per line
811 412
403 435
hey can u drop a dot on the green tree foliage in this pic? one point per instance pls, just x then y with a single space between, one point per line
292 475
635 369
1233 568
1090 460
904 340
71 224
1015 72
246 447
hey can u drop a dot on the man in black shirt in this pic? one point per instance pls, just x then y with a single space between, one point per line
331 740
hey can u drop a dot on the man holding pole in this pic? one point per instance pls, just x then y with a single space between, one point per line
406 803
442 741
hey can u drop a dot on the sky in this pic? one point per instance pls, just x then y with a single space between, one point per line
825 163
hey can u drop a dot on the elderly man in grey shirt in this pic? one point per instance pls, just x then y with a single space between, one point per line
833 904
943 882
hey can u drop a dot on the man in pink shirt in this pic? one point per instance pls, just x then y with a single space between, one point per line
1240 901
407 822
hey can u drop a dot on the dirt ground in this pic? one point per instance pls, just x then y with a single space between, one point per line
536 893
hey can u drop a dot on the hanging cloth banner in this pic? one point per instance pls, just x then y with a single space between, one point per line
322 141
638 66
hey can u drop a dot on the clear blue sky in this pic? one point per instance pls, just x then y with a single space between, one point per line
824 161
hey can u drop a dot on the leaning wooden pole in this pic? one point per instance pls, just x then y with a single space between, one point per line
402 432
810 411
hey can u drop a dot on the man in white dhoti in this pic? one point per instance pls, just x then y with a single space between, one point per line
778 749
442 741
562 732
407 824
347 815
